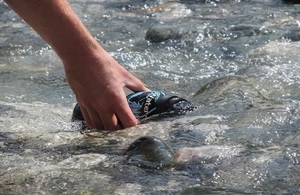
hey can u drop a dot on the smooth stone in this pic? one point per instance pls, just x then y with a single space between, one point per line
231 93
205 154
149 152
158 34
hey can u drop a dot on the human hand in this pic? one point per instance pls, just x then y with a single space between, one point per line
97 80
98 83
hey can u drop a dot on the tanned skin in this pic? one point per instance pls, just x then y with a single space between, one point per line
97 80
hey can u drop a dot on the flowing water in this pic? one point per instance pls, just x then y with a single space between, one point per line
237 60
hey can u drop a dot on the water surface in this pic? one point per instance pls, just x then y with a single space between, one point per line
237 60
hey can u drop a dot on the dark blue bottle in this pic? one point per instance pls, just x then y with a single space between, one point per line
147 104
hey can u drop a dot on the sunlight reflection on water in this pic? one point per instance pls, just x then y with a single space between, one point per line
244 138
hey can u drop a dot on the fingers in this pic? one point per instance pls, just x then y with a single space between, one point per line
114 113
123 116
86 116
110 121
135 84
96 120
126 116
91 118
101 121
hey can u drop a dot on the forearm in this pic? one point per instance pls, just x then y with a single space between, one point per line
56 23
97 80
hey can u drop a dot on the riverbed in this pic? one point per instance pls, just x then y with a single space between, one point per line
238 61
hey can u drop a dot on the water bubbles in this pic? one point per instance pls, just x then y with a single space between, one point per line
16 98
257 176
106 16
293 155
199 38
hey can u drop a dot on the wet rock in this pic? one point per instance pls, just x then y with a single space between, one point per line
247 30
24 117
82 161
149 152
47 150
241 31
10 111
128 188
275 50
193 1
232 93
291 1
273 68
158 34
199 130
292 35
210 190
203 1
205 154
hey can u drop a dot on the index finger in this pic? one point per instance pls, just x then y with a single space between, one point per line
125 115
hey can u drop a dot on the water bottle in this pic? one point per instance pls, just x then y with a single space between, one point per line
150 103
147 104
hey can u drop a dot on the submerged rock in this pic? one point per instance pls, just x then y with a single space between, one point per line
158 34
247 31
291 1
293 35
149 152
232 93
205 154
203 1
152 152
